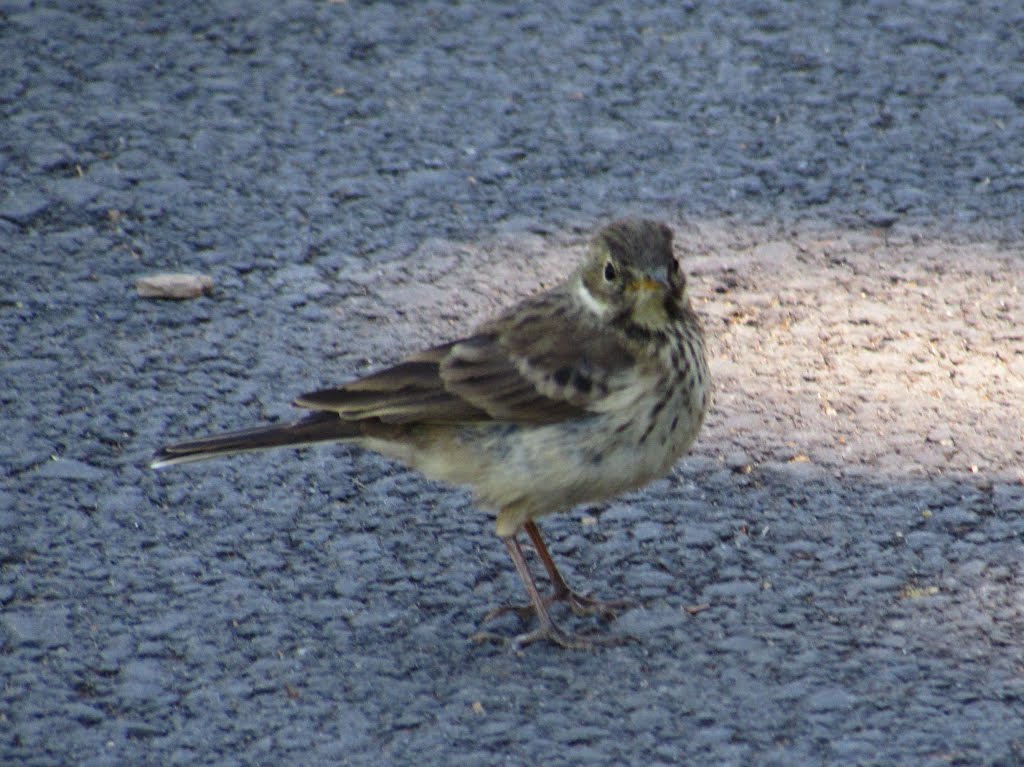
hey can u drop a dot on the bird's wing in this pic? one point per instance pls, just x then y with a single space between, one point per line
411 391
533 365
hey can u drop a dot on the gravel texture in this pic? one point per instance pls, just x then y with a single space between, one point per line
833 577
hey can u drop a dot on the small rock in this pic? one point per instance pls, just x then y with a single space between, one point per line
175 286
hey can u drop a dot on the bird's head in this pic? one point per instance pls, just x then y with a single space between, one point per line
632 274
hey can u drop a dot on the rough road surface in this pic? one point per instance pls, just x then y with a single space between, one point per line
833 577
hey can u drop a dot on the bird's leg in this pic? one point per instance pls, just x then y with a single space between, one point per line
547 630
561 592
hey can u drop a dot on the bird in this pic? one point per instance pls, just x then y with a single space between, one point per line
574 395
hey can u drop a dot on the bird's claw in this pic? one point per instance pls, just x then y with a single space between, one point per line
579 604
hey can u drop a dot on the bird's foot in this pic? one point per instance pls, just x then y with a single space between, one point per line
579 604
546 630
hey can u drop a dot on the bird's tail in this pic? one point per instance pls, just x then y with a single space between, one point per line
314 428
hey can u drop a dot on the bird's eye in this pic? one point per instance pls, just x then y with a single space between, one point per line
609 271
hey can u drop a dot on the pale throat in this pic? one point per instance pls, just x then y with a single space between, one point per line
594 306
649 312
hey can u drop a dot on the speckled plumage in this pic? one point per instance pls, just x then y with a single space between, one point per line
576 394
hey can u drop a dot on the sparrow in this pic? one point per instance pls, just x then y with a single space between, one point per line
592 388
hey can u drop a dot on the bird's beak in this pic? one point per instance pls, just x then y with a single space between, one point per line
646 284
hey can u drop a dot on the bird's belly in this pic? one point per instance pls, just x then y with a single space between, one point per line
541 469
528 470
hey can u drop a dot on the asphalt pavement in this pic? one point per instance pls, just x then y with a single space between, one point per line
833 577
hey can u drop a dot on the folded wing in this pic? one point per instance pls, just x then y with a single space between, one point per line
533 366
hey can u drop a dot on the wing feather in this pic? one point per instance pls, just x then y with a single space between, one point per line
530 366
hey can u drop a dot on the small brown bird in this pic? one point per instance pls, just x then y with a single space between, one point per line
592 388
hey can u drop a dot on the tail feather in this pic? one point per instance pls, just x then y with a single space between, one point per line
314 428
